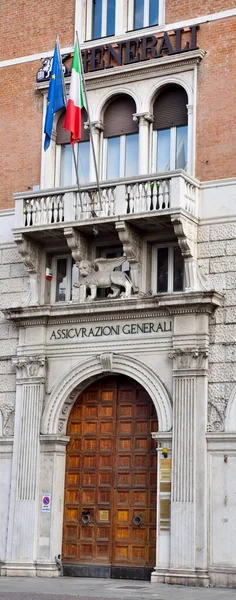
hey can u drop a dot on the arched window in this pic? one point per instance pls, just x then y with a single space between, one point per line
120 138
67 167
170 130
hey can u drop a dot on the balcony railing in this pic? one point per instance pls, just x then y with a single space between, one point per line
146 194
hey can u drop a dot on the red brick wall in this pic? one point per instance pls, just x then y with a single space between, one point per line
189 9
216 101
29 27
20 131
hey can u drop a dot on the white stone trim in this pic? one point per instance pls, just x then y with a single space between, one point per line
225 14
91 368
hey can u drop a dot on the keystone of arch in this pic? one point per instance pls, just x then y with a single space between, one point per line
84 373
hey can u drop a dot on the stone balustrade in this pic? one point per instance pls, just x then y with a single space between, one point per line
151 193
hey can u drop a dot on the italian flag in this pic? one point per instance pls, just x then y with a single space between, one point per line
72 121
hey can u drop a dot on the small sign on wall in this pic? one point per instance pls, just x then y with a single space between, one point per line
46 502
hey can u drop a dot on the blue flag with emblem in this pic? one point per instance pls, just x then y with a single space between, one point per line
56 96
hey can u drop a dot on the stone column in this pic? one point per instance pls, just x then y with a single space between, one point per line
188 561
96 128
144 120
22 531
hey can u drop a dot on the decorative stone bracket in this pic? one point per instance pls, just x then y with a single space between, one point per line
79 247
30 252
186 232
189 358
132 247
77 243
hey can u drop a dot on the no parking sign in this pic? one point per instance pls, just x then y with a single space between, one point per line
46 502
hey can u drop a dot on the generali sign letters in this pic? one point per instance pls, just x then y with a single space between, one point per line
140 49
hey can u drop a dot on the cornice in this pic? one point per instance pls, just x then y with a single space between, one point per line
146 69
165 305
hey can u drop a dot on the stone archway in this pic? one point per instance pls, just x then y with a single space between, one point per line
65 393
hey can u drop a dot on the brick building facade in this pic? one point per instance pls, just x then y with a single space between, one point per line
99 395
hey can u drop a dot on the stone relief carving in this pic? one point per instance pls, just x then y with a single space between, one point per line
30 366
8 415
30 253
100 274
189 358
216 414
186 232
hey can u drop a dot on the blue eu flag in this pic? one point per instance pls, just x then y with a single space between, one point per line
56 97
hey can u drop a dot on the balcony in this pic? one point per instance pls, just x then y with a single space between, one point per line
143 196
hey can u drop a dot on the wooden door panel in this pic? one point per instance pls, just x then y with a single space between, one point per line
111 472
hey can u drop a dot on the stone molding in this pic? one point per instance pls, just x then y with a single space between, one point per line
30 252
66 391
28 367
189 358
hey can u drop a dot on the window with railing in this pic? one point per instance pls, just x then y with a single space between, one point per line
66 174
121 139
170 130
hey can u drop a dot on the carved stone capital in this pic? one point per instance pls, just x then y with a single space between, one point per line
143 118
106 361
96 126
189 358
130 240
8 414
30 367
30 252
216 414
77 243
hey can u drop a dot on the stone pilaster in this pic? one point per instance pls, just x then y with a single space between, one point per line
21 543
188 506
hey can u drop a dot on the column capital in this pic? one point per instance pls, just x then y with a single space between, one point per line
186 359
30 368
143 118
96 126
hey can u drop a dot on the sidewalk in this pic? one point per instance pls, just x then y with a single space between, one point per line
69 588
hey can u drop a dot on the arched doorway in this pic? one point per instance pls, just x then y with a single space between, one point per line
110 485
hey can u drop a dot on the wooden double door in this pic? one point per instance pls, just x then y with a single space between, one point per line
110 484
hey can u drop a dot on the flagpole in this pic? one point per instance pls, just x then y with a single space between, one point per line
90 128
73 149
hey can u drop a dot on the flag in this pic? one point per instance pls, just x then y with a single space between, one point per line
56 96
72 121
